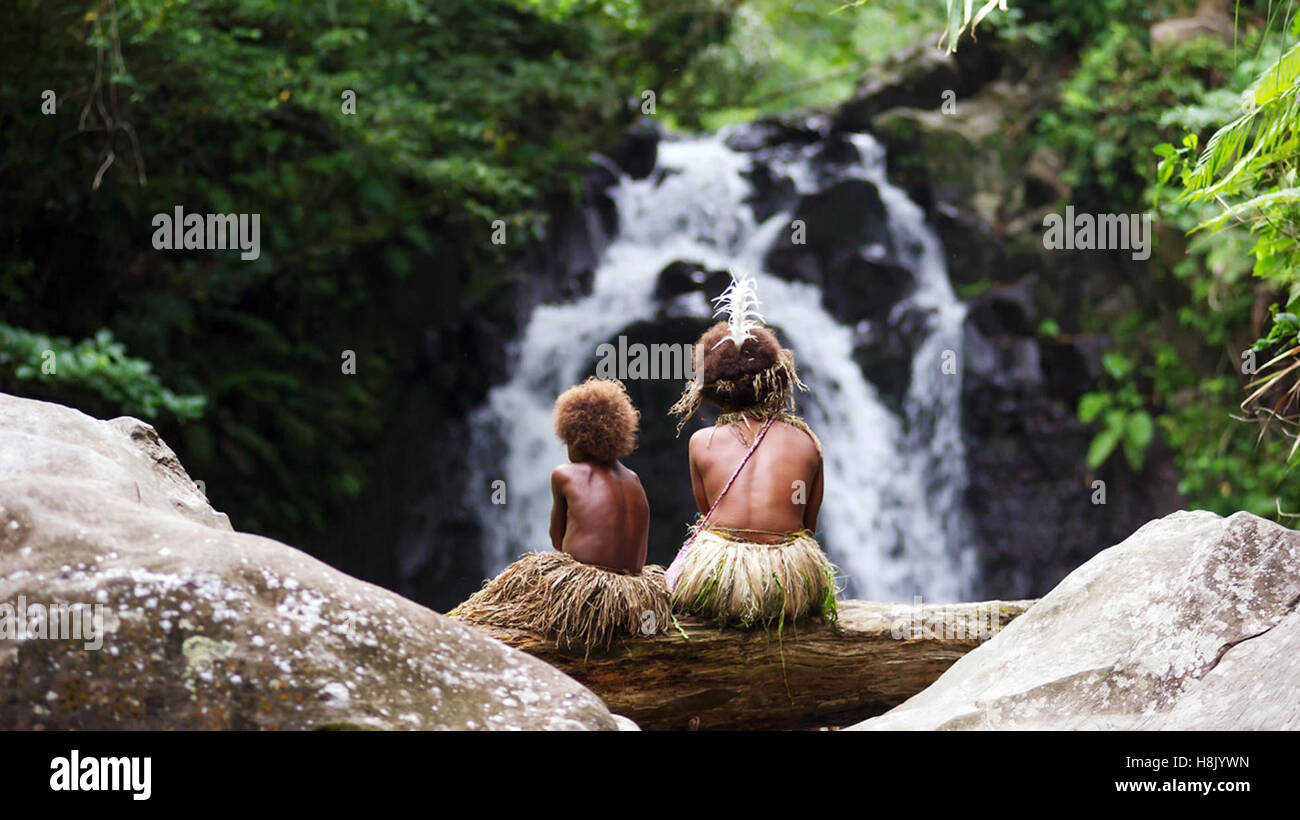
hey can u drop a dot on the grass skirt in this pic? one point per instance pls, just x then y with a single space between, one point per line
573 603
730 580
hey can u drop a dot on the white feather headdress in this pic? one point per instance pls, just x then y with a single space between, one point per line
740 304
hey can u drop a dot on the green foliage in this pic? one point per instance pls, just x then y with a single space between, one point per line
1174 366
1248 166
1246 175
1114 107
375 225
1125 423
98 364
772 56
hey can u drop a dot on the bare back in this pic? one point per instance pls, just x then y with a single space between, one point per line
600 515
779 491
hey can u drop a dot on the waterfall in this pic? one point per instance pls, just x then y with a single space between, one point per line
892 513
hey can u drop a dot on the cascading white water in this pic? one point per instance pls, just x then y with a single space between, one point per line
891 517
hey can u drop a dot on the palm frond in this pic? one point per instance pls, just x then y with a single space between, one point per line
1242 211
1230 154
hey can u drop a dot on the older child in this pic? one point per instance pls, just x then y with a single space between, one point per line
752 557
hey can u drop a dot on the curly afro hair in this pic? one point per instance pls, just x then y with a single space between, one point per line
598 419
727 372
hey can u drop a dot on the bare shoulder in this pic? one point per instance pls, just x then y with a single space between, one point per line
699 442
802 436
700 438
565 473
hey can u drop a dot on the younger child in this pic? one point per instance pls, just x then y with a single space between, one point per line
595 586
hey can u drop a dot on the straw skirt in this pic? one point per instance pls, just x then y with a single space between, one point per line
729 580
573 603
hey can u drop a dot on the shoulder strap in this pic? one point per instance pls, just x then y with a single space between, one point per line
732 480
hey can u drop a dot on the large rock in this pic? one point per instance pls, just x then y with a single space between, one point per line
845 248
1212 19
775 131
1190 623
968 157
884 350
921 77
637 151
203 627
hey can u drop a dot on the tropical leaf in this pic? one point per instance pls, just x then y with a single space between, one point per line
1233 152
963 17
1241 210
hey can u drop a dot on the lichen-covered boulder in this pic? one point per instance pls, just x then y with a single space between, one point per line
146 611
1190 623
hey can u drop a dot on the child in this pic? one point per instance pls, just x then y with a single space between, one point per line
757 474
595 587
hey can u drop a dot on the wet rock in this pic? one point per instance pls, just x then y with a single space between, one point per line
1030 495
884 349
596 183
865 286
773 192
680 277
972 250
769 132
837 150
917 77
847 250
638 149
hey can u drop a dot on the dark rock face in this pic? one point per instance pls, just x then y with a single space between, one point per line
884 349
638 151
1031 497
916 78
792 130
921 77
846 249
972 250
661 458
773 192
680 278
967 158
866 286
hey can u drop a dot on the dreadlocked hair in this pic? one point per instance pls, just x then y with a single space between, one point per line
757 377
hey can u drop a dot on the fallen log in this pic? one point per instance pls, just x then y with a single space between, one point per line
811 676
